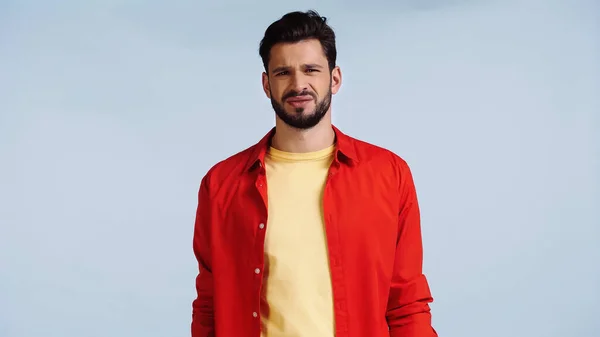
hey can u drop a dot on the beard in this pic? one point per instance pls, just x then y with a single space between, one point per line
301 118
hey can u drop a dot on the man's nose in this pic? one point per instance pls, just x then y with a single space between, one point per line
299 82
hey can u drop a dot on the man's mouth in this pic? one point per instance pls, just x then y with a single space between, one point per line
299 101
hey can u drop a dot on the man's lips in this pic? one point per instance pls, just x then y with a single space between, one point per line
304 98
299 101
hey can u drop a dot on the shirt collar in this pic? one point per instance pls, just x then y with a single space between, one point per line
345 151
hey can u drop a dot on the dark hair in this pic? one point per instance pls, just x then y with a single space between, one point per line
298 26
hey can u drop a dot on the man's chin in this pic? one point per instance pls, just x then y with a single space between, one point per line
300 113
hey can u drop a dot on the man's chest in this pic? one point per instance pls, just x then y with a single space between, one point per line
361 214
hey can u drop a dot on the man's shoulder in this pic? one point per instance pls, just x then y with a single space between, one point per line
230 166
382 163
373 153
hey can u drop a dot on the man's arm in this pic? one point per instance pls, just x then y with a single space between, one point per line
408 312
202 306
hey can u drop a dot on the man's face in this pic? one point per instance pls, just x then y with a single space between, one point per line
299 83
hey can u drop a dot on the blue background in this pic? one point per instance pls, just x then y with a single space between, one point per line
112 111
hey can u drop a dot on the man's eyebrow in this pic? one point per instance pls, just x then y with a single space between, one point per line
307 66
279 69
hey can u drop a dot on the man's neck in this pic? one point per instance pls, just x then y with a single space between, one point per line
290 139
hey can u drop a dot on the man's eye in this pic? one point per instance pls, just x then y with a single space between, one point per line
282 73
311 70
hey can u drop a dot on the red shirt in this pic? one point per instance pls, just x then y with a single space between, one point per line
373 232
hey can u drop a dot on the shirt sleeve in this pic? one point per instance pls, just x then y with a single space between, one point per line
202 306
408 310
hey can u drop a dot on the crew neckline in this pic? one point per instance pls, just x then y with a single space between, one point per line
301 156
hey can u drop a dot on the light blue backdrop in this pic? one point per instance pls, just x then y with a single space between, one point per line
112 111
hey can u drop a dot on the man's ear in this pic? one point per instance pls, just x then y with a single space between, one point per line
265 84
336 80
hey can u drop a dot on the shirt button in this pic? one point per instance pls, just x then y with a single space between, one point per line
255 314
261 226
257 271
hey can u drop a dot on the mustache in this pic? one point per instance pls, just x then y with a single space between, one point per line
294 93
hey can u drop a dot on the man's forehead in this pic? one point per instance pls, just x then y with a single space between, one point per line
300 47
297 53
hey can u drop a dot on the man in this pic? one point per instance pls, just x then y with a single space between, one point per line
308 233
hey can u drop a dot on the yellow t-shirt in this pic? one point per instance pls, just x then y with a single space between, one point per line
297 295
